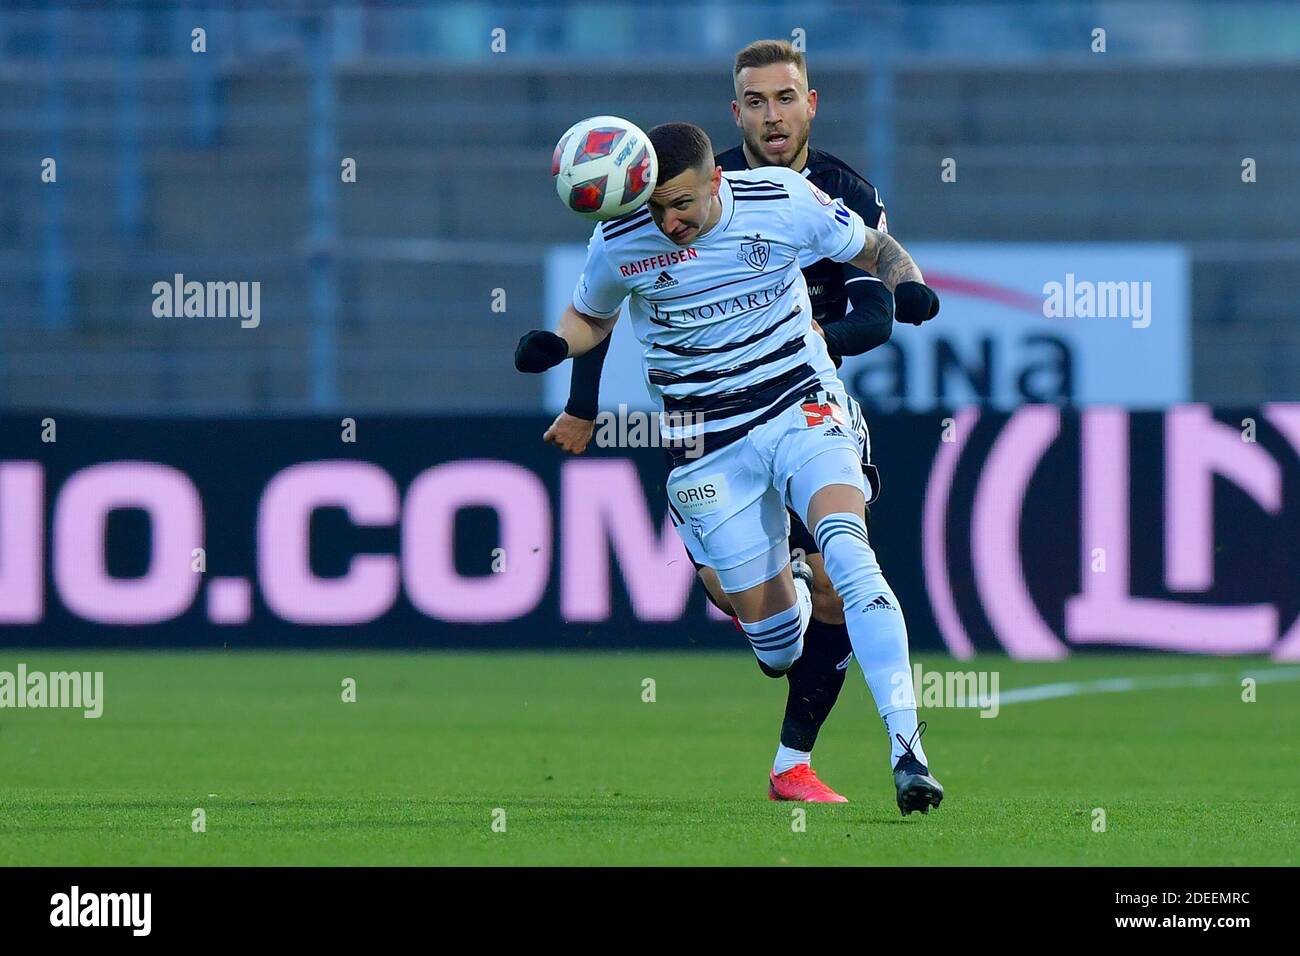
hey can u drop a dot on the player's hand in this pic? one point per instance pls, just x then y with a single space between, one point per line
818 329
539 350
570 433
914 303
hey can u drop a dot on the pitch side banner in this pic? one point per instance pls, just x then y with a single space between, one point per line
1039 533
1067 323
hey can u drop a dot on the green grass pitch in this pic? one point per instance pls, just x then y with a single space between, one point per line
588 773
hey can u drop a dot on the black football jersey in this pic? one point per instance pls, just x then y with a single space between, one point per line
839 180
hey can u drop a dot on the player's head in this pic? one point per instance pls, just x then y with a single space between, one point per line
774 107
684 202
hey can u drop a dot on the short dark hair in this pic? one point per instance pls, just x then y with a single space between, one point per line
769 52
679 147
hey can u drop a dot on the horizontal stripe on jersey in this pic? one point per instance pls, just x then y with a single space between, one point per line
670 379
681 453
729 347
750 399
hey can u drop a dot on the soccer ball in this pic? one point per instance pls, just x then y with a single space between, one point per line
604 167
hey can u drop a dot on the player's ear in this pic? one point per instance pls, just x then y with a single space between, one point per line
812 103
717 179
735 113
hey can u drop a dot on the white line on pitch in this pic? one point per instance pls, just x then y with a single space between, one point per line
1118 685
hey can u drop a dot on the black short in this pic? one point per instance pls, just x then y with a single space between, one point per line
801 539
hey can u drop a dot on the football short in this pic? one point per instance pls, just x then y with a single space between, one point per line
731 507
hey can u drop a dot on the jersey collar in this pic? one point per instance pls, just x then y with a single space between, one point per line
724 220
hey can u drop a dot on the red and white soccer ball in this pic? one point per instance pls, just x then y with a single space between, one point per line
604 167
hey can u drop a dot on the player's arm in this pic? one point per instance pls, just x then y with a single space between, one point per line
584 383
885 258
572 429
870 320
578 334
587 320
828 227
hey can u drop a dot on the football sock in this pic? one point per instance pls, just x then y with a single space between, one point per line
815 681
875 623
787 757
777 640
805 619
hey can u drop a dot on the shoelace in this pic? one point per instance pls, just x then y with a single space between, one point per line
908 744
804 774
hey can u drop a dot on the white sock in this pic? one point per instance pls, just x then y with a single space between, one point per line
802 591
777 641
877 629
787 757
903 723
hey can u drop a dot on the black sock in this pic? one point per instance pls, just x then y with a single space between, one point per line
814 683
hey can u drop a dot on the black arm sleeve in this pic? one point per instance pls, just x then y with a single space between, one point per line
584 383
870 321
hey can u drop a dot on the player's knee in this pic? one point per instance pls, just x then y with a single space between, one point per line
851 564
777 641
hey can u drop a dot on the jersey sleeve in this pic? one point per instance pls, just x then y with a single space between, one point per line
862 198
823 225
599 291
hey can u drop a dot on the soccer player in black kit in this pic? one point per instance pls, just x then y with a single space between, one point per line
774 108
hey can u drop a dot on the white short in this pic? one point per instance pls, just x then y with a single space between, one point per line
730 506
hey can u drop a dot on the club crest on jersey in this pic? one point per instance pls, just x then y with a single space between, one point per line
755 253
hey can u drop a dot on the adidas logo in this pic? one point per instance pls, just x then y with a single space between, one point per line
835 432
665 281
879 604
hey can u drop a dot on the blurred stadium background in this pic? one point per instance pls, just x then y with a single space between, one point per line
1052 488
228 163
376 296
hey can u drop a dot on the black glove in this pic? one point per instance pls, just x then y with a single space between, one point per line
914 303
539 350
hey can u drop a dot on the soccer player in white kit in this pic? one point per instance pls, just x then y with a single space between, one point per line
754 413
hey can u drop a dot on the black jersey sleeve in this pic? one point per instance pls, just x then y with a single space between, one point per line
860 196
584 382
870 320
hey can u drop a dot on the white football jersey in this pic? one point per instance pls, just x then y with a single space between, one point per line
725 322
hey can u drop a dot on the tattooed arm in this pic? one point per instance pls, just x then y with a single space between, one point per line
884 258
881 255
